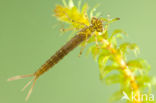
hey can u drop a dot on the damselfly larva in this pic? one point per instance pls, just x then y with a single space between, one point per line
82 35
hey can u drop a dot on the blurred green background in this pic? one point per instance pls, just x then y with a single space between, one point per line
29 35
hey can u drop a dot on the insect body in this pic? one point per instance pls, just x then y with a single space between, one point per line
85 33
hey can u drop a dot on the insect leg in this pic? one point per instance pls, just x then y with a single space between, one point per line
66 29
83 45
96 40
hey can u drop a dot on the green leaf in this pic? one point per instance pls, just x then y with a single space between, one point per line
94 51
132 46
108 69
116 96
139 64
113 79
102 60
84 9
113 41
119 33
64 2
93 10
115 35
144 82
105 35
79 5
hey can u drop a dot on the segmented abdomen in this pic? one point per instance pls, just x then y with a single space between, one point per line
69 46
